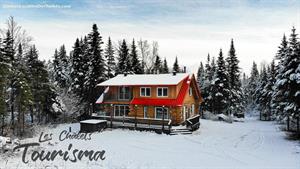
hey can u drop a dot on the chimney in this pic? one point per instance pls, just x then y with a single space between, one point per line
174 73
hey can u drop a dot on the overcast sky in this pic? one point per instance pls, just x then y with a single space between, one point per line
188 29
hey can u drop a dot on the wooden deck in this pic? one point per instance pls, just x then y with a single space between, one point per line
150 124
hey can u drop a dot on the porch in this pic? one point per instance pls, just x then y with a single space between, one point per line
150 124
137 123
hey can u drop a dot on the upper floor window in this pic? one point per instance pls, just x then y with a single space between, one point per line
190 91
162 92
145 91
124 93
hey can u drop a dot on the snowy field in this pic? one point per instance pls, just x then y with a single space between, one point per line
252 144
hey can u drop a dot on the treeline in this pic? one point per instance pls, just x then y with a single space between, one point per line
91 62
275 90
220 84
26 95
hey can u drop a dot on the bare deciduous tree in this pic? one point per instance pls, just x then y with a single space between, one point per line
148 53
19 35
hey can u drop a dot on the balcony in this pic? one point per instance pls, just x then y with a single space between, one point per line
113 97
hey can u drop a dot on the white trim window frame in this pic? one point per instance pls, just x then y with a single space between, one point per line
164 91
123 110
123 94
167 115
147 90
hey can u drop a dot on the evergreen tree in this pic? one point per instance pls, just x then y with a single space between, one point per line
8 52
287 90
266 92
176 66
206 87
165 68
96 65
157 68
235 100
4 73
135 62
258 95
124 65
200 76
110 59
43 92
252 84
76 74
208 75
213 68
61 66
220 87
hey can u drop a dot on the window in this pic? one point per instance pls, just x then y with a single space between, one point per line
190 91
145 91
124 93
193 109
162 92
121 110
146 112
159 111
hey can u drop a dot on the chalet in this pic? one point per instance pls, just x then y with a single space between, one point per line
151 97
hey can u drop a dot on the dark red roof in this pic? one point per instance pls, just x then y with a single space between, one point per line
166 102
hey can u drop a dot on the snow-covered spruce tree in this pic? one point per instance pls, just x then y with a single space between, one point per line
206 87
61 67
76 61
220 87
9 54
260 100
23 94
176 66
96 72
4 73
124 65
109 54
265 92
157 68
235 99
287 88
252 85
213 68
135 62
200 76
165 68
42 90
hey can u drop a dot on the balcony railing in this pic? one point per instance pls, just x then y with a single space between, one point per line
117 97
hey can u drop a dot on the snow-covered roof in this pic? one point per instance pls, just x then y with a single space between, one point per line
145 79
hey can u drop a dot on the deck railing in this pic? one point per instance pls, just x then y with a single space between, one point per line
138 123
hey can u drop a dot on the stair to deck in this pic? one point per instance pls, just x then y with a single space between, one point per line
182 131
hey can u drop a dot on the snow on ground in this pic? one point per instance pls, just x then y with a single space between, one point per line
251 144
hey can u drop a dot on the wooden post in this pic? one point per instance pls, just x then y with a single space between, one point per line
135 118
111 115
163 125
